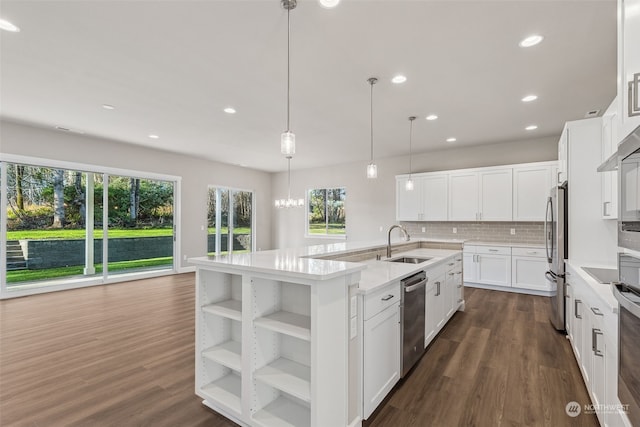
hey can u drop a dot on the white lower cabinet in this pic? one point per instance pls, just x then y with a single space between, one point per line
381 354
592 329
511 268
444 295
488 265
528 266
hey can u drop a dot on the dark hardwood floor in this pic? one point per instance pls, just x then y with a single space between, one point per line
123 355
499 363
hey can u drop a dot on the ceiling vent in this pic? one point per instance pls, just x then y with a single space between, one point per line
591 113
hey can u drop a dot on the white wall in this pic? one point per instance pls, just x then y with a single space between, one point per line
371 203
197 174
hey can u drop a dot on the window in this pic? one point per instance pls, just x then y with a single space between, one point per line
62 225
326 214
230 219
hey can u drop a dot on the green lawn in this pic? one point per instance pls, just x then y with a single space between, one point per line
321 229
53 273
113 233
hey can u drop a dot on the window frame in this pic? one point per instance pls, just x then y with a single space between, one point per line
253 215
307 224
105 278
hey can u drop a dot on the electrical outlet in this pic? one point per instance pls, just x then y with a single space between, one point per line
455 230
424 229
513 231
202 228
184 257
381 229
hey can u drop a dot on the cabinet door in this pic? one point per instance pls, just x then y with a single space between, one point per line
495 196
451 293
578 321
586 359
569 311
408 202
528 273
435 194
430 312
563 147
628 63
442 301
598 353
470 267
494 269
531 188
381 362
463 196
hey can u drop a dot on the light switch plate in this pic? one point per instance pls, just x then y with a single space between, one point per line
513 231
424 229
455 230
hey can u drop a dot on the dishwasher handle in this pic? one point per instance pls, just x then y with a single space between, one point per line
415 287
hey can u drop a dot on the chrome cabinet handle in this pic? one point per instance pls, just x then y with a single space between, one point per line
596 311
575 309
558 177
438 289
460 300
532 252
387 298
604 208
493 250
450 264
459 286
594 342
634 99
451 274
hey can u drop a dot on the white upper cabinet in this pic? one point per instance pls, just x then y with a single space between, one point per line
426 202
609 189
463 196
496 192
563 147
531 187
504 193
628 66
480 196
435 193
408 203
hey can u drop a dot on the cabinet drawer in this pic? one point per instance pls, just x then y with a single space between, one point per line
379 300
493 250
469 249
532 252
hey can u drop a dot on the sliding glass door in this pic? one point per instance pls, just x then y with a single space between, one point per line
230 221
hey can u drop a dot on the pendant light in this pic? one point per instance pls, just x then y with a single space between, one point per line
288 138
409 184
372 168
289 202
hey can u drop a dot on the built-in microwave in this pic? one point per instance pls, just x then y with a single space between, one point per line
629 191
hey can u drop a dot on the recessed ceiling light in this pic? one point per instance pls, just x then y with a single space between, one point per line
8 26
531 127
431 117
529 98
108 107
531 41
153 136
329 4
230 110
399 79
451 140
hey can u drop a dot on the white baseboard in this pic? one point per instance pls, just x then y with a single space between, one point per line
189 269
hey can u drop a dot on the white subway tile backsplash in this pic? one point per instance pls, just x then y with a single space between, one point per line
526 232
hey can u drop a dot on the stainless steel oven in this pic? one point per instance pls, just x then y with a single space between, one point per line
627 292
628 156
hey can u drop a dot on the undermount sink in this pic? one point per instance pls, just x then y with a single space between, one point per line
409 260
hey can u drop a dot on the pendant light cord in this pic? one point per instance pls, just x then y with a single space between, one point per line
289 176
410 136
371 117
288 67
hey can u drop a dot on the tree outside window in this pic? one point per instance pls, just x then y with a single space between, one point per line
326 213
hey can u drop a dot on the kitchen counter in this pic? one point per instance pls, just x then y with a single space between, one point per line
602 290
306 262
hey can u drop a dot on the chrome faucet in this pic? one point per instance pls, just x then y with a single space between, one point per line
404 231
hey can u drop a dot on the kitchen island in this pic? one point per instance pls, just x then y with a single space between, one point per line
279 334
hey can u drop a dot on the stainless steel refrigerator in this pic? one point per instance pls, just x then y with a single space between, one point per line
556 243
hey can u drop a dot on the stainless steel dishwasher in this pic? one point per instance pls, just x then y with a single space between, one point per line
412 315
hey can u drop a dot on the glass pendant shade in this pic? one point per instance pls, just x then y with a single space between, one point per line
409 185
372 170
288 143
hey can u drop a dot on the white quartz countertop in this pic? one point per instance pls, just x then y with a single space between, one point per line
602 291
381 273
300 262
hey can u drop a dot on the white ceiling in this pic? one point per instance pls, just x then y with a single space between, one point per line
170 67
